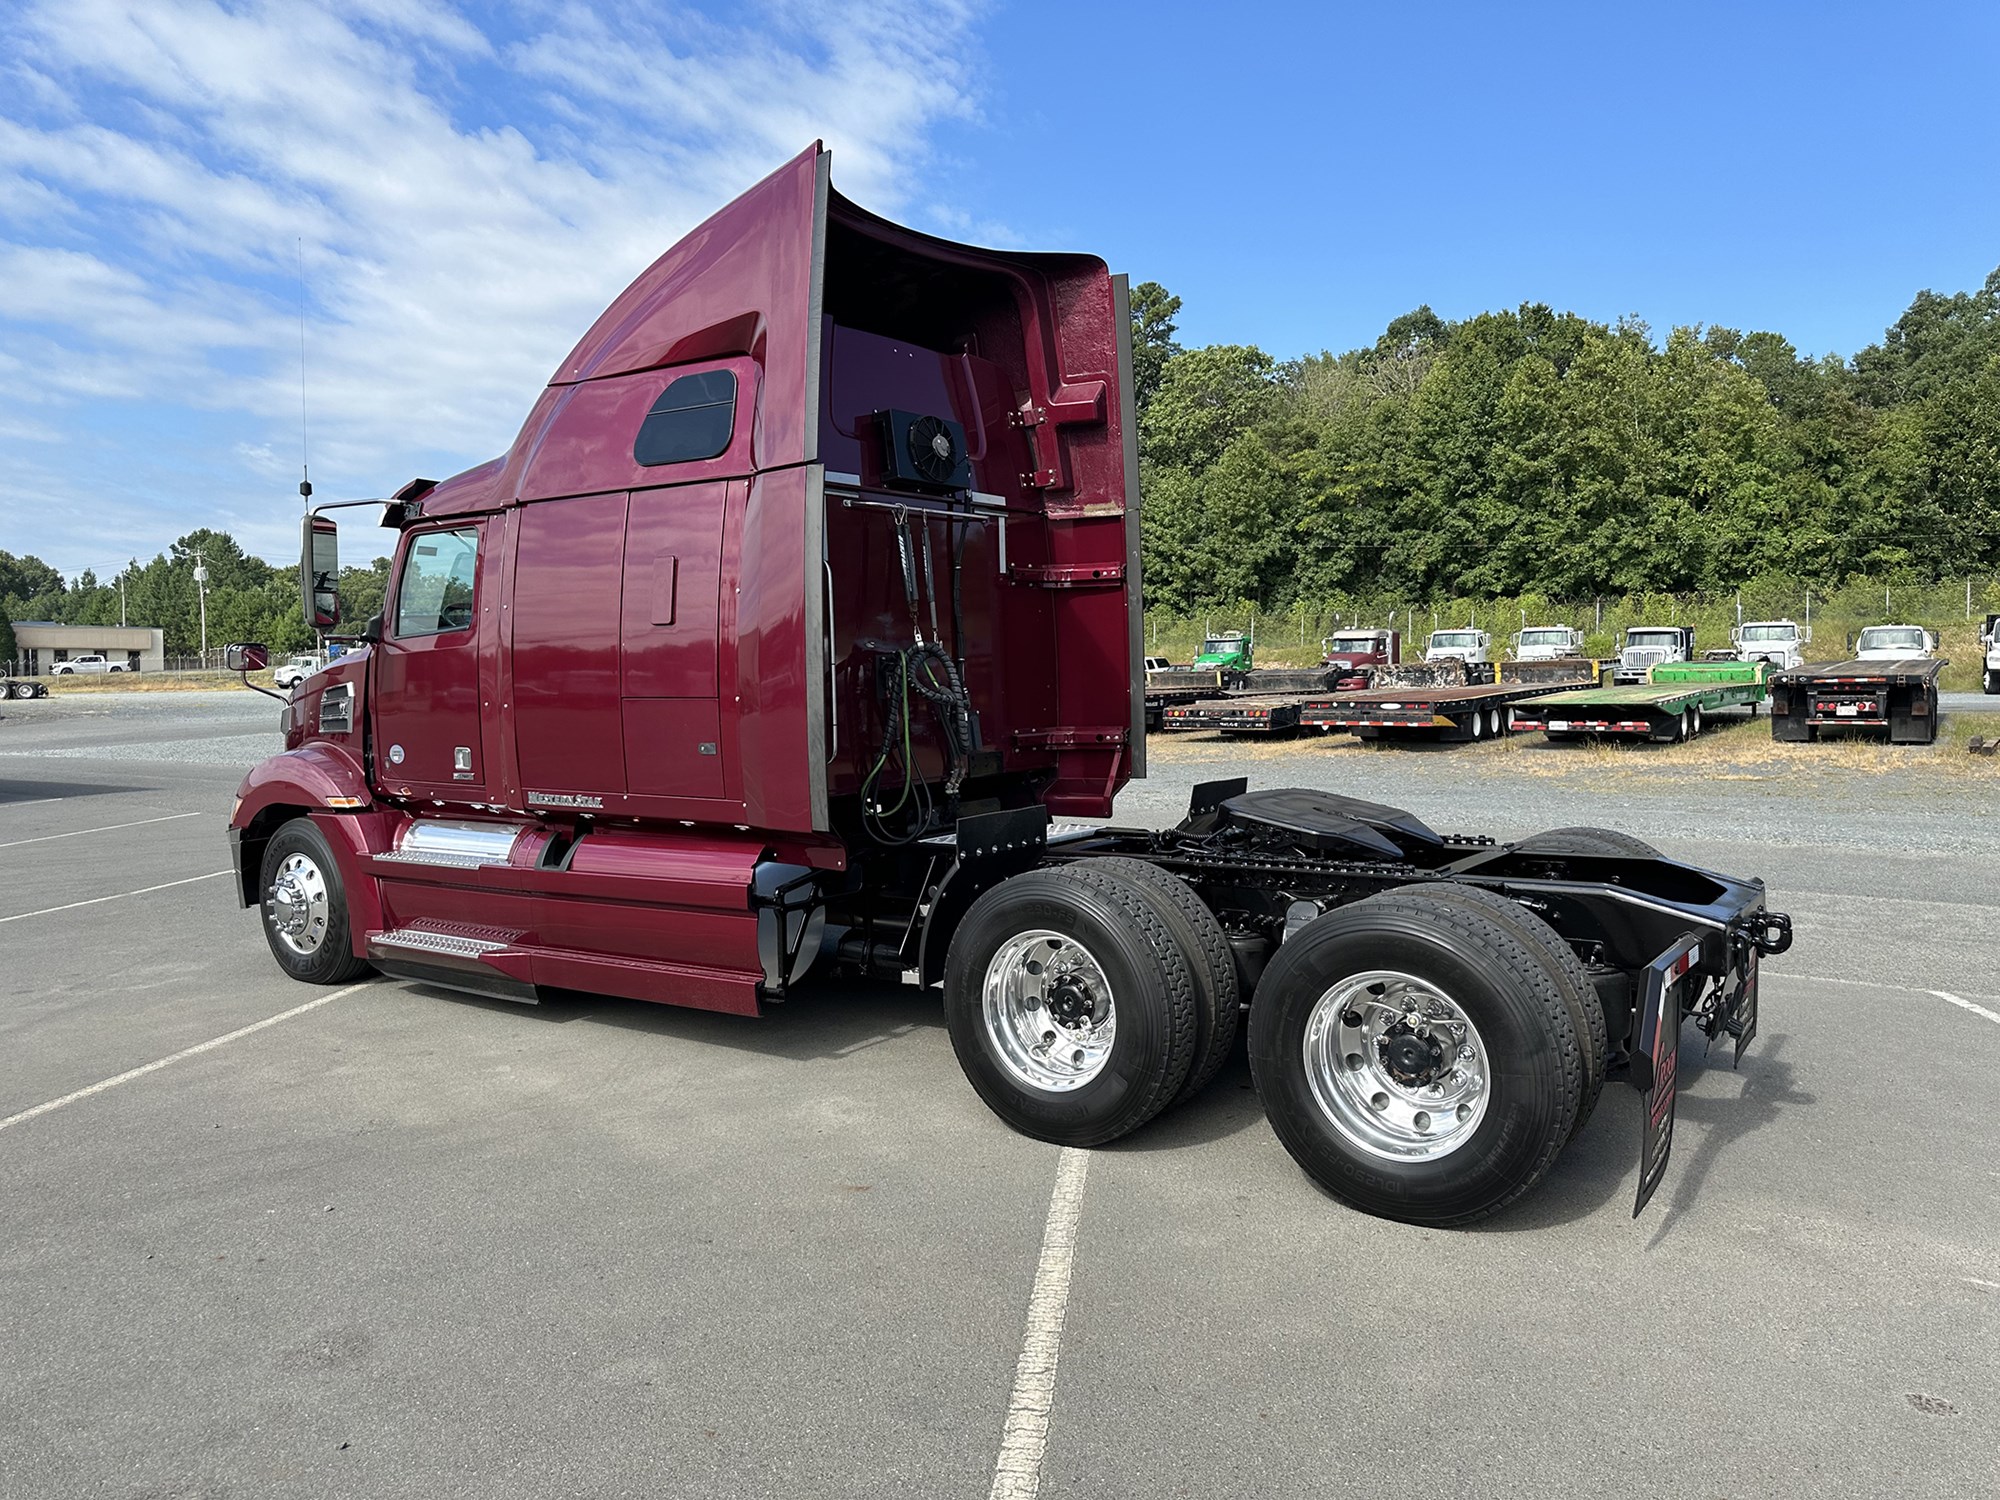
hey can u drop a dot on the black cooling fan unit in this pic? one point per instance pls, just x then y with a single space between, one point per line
924 452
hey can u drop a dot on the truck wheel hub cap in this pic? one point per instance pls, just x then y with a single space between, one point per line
297 905
1048 1011
1396 1066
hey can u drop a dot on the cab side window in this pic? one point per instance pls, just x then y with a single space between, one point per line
693 419
434 594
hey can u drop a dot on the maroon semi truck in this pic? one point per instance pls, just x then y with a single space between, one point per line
805 600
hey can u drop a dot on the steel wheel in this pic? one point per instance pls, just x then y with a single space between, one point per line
1479 726
1397 1066
298 906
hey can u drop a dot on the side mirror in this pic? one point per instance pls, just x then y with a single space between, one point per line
246 657
372 631
319 573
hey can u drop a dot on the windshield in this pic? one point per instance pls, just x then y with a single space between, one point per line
1221 645
1455 638
1545 637
1352 643
1770 632
1892 638
1663 640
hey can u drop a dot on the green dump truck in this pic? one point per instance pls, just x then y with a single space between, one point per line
1676 702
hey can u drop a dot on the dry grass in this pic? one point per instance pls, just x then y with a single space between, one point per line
1737 749
149 682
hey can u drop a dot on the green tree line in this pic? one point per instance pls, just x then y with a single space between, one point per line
1537 452
248 598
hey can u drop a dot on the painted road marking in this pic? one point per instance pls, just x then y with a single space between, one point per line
144 890
77 833
1901 989
1017 1475
166 1062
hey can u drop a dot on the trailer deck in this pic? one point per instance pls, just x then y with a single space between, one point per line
1448 711
1898 698
1675 705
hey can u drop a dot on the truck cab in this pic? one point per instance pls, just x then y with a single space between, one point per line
1228 652
1779 644
1473 647
1357 655
1648 646
1548 643
1894 643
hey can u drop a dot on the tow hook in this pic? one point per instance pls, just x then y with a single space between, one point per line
1772 933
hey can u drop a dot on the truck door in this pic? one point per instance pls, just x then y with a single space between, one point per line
426 694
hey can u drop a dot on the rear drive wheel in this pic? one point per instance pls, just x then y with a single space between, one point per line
1992 681
1585 841
1586 1009
305 907
1416 1058
1072 1004
1218 999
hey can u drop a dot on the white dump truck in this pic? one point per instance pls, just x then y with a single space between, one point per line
1548 643
1472 646
1779 643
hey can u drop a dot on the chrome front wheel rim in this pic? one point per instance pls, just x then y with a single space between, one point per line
1397 1066
298 905
1048 1011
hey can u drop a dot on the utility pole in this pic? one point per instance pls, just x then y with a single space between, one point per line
121 600
201 586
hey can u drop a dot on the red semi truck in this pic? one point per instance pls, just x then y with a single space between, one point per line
806 598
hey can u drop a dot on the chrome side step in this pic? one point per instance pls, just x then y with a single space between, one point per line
438 859
470 943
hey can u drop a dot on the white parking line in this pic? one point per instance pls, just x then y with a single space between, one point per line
1901 989
77 833
1964 1004
186 1052
1017 1475
143 890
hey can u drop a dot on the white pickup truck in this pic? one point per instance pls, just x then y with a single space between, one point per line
1474 646
1989 642
1782 643
83 665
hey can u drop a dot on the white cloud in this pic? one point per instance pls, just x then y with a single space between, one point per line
465 200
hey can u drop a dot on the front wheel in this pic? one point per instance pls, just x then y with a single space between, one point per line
305 907
1992 681
1417 1059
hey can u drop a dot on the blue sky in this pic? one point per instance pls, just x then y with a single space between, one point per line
467 186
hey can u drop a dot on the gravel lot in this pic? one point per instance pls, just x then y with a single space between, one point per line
403 1243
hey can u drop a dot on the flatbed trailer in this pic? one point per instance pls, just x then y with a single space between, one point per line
1274 716
1674 706
1453 712
1197 717
1898 699
1177 687
21 687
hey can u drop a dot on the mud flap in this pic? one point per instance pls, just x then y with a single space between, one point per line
1655 1062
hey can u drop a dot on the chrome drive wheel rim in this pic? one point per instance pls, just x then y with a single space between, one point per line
297 905
1048 1011
1397 1066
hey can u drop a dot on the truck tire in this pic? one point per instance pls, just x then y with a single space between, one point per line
1586 1009
305 907
1585 841
1992 684
1475 724
1696 720
1219 999
1437 1128
1086 952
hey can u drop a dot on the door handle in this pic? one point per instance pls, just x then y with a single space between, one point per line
666 580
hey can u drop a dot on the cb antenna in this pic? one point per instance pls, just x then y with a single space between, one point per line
305 467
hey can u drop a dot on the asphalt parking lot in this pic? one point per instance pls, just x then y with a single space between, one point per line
402 1243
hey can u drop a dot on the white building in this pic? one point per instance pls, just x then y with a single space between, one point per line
40 644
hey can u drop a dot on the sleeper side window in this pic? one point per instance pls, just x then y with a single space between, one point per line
434 594
693 419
